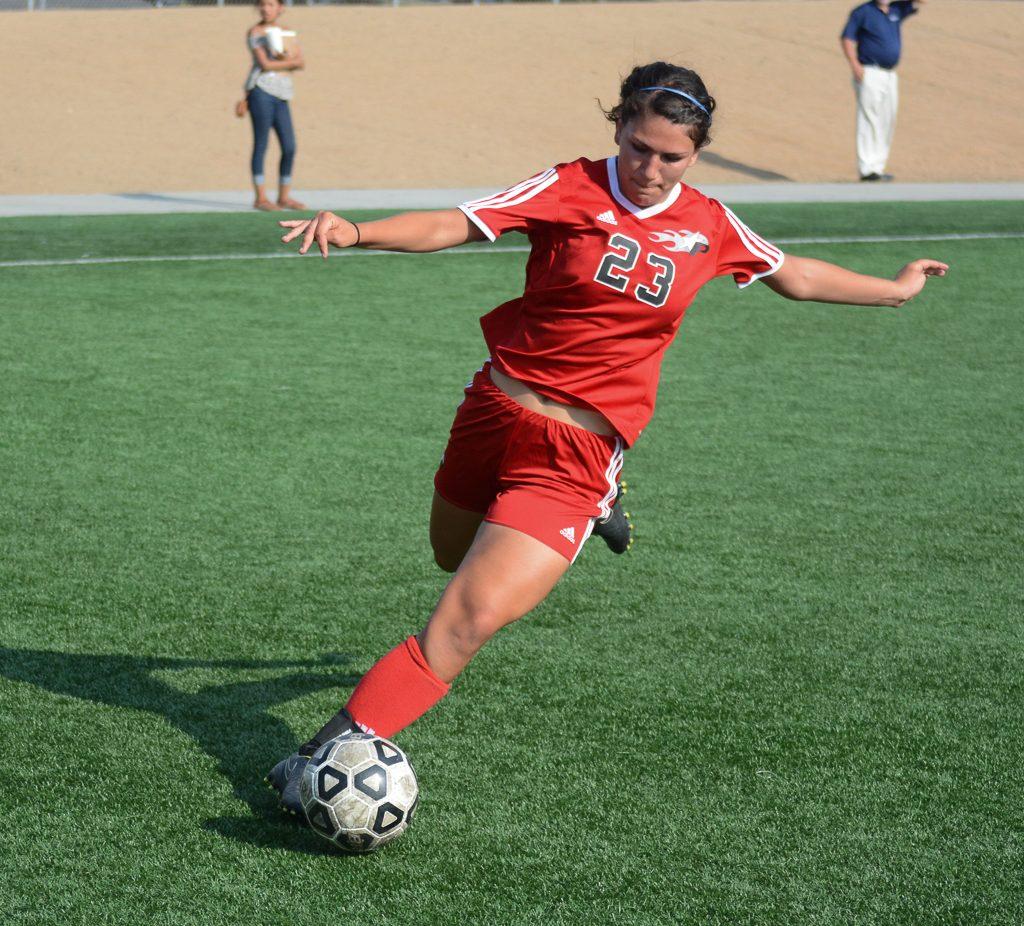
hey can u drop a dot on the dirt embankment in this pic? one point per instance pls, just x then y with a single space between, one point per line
413 97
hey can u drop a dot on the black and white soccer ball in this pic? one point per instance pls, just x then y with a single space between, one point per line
359 791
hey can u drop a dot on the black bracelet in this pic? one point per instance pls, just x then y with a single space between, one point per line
358 235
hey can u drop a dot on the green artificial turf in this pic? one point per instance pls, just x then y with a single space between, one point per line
70 237
797 700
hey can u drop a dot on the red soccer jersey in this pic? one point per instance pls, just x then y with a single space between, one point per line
607 283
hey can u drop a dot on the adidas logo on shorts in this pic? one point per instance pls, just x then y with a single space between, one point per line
607 217
569 533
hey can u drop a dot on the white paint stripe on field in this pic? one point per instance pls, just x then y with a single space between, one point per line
512 249
154 259
881 239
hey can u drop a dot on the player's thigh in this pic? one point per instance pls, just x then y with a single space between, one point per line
504 575
452 530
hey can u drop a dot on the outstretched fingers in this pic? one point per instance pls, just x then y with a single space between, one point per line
315 229
297 226
321 236
929 267
912 278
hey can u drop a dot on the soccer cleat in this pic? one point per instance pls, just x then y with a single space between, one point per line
617 529
285 778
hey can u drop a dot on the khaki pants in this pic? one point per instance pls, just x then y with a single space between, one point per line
877 98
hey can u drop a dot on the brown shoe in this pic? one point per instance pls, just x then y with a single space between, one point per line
266 205
290 204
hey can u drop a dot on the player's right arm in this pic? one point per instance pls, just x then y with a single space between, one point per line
408 231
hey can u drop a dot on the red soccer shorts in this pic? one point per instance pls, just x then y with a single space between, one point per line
526 471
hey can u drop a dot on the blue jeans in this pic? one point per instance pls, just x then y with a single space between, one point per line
268 111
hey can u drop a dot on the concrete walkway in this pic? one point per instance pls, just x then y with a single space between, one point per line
150 203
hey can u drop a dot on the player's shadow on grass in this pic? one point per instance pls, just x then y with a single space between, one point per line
230 721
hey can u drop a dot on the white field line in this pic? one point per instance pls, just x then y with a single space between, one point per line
151 259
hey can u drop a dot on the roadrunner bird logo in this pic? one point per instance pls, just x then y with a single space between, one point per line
687 241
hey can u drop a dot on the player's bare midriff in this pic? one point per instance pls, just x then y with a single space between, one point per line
522 394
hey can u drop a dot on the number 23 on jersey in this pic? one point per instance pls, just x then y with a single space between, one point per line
619 262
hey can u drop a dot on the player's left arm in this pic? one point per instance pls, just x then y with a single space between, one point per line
807 279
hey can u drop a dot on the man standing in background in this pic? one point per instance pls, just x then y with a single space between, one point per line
871 43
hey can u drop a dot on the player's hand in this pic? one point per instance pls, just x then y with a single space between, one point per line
325 228
911 279
241 107
858 73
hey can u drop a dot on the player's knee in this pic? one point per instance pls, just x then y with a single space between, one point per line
473 629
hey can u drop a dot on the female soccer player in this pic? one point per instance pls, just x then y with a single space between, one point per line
619 248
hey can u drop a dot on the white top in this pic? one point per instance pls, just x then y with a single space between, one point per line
276 83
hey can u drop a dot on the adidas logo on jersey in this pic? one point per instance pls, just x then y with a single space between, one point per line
569 533
607 217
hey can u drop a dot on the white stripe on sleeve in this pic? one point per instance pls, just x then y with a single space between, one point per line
757 246
479 223
512 190
506 199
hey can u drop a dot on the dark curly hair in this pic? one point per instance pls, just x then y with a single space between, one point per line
635 101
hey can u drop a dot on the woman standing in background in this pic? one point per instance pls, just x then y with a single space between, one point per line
268 89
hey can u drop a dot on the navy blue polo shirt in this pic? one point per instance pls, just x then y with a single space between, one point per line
877 34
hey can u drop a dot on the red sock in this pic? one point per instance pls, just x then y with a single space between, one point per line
398 689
